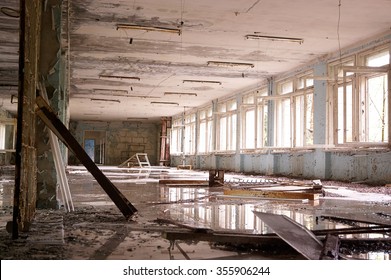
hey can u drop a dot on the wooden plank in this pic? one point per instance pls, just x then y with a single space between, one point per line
296 235
189 185
186 232
272 194
44 111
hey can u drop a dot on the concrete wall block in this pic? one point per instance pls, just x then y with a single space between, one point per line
379 168
137 148
297 165
137 140
341 166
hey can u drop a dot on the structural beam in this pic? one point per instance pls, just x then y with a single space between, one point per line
50 119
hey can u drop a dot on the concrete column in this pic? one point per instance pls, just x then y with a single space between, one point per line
214 159
52 68
238 160
320 105
271 114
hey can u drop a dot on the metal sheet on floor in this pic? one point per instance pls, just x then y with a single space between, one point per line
293 233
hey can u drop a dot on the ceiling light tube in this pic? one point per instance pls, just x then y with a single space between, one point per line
180 93
110 91
105 100
274 38
118 77
202 82
165 103
148 28
229 64
137 119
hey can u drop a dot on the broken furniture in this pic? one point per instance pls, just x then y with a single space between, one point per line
44 111
296 235
216 178
284 189
140 159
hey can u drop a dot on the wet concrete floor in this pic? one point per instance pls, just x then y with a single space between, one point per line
98 230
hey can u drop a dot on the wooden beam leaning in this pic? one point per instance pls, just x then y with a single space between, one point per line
44 111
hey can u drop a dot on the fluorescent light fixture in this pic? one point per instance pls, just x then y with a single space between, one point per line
202 82
110 91
115 77
141 96
180 93
148 28
229 64
274 38
105 100
165 103
137 119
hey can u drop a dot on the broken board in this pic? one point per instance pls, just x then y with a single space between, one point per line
272 194
296 235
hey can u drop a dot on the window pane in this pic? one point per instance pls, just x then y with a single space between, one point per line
345 127
377 109
284 123
250 130
223 134
299 133
286 87
309 119
379 59
202 138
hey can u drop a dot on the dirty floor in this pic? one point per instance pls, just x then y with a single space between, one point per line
97 230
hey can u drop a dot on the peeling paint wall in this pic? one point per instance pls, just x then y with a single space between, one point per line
123 139
353 166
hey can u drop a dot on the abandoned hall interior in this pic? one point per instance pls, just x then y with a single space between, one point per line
192 130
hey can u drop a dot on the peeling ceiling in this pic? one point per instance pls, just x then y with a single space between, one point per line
153 64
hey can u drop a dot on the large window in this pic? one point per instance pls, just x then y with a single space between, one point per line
205 131
360 98
227 117
7 134
254 120
190 134
176 136
294 112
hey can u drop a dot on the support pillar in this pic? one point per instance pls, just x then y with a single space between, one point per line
164 141
320 104
25 156
52 61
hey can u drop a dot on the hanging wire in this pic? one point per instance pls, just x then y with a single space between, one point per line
338 29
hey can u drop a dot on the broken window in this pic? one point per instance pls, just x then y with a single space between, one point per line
176 136
227 119
294 112
360 103
205 131
254 120
248 122
190 134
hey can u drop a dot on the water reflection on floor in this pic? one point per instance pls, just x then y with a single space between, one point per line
222 215
204 207
200 209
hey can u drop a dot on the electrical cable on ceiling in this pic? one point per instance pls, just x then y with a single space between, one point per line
338 27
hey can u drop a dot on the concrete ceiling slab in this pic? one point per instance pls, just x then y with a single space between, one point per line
209 31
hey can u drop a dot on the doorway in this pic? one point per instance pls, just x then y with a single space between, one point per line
95 144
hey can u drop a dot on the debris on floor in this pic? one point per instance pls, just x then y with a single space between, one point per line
184 218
